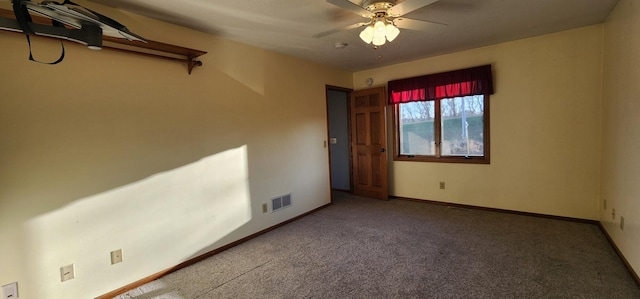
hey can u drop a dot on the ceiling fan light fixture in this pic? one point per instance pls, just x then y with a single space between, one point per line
392 32
379 40
379 33
379 28
367 34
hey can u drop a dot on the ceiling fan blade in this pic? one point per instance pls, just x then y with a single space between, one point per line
408 6
417 25
353 26
345 4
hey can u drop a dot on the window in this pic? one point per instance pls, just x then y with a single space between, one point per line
443 117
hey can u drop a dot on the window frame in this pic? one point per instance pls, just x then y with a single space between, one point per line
437 134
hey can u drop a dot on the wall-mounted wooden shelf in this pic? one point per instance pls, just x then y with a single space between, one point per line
150 48
155 49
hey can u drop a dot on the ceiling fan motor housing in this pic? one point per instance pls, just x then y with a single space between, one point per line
376 6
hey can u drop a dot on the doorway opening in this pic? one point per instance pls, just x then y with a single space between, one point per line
339 138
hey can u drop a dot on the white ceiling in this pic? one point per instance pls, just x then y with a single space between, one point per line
289 26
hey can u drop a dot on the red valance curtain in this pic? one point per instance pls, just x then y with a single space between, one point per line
466 82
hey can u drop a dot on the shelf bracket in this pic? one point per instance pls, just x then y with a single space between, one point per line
193 63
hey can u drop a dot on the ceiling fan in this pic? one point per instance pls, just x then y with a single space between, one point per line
384 19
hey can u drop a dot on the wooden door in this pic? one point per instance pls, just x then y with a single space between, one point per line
369 143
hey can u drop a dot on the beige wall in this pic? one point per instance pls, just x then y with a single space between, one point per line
109 150
545 127
621 129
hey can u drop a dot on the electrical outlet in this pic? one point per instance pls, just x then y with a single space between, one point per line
264 208
67 272
116 256
441 185
10 291
621 222
613 214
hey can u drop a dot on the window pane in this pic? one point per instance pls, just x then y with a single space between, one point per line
462 126
416 128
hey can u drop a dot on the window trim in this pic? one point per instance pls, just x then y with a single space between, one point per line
486 159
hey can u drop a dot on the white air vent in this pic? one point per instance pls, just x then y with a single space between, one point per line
276 203
280 202
286 200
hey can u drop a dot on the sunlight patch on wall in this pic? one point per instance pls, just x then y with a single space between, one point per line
162 221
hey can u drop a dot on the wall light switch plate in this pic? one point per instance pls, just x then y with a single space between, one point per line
10 291
67 272
116 256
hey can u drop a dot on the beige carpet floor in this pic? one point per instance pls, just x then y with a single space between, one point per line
363 248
